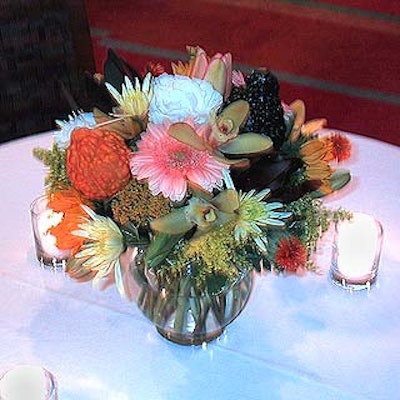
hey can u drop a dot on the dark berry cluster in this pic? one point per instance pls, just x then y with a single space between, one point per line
266 112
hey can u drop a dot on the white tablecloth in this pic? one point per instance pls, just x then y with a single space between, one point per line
298 338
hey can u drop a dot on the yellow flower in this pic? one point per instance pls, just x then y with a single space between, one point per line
314 154
134 100
256 215
103 246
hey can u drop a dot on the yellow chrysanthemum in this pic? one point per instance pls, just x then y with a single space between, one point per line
255 214
134 100
102 249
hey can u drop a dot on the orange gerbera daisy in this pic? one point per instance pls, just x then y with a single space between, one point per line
69 202
339 147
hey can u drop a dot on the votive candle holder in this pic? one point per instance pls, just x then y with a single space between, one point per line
356 252
43 219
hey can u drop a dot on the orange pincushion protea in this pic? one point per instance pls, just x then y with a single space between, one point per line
69 202
291 254
98 162
339 147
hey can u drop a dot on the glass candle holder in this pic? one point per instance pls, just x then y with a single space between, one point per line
43 218
28 382
356 251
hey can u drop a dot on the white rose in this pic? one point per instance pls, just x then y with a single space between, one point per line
177 98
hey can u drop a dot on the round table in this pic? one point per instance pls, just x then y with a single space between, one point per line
298 338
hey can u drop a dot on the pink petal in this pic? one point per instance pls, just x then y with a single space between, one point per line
200 64
227 59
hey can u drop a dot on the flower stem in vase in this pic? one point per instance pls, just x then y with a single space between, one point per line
236 301
141 281
218 307
182 305
195 305
164 308
202 316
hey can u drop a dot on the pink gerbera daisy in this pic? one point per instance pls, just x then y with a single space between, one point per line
168 165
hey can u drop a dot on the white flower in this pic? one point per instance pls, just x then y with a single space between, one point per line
76 120
178 98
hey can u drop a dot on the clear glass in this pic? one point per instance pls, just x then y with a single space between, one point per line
356 252
182 314
43 218
25 382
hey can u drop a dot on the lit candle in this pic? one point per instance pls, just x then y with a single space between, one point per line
44 218
27 382
356 251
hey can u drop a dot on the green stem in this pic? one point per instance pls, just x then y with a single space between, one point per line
204 304
182 305
194 304
218 307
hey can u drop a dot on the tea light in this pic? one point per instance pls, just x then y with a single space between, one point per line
356 251
28 382
44 218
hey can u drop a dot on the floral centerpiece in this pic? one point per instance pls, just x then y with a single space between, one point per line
193 179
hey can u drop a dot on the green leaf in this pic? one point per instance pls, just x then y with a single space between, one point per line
340 178
159 248
115 70
216 283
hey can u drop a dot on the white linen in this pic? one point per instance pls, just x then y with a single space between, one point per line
298 338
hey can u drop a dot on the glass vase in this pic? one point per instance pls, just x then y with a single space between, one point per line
181 313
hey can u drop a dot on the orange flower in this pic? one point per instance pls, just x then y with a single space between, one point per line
339 147
156 69
291 254
315 154
181 68
217 70
69 202
98 162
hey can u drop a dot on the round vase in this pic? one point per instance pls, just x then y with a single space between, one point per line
182 313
